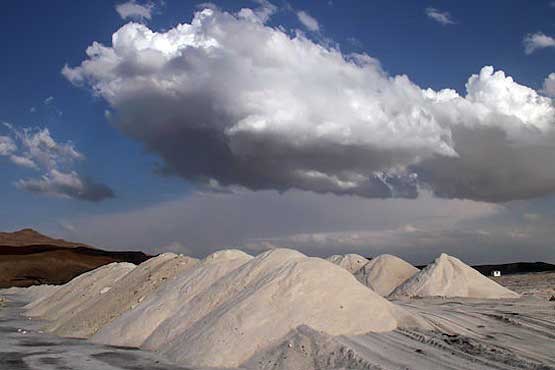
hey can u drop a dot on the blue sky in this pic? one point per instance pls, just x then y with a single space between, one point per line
407 38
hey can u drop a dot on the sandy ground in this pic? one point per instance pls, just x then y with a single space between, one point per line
539 284
471 334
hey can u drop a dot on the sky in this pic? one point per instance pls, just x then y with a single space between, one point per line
370 127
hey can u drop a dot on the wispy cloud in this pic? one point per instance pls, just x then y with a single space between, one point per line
133 10
36 149
443 18
536 41
308 21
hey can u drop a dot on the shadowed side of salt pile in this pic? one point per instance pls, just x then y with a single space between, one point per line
350 262
385 273
450 277
126 293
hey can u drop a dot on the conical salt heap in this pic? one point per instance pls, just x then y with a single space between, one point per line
450 277
350 262
385 273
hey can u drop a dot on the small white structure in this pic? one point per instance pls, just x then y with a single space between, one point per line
496 273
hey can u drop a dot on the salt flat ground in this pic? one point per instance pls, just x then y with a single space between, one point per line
472 334
24 347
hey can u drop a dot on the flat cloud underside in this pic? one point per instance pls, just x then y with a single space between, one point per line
228 101
490 167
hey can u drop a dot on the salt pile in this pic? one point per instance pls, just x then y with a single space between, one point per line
251 305
128 292
220 311
260 302
350 262
450 277
34 293
135 326
80 291
385 273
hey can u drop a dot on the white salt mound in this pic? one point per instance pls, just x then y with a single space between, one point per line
34 293
350 262
124 295
79 291
257 304
135 326
385 273
227 255
450 277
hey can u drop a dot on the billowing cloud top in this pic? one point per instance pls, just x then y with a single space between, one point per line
227 100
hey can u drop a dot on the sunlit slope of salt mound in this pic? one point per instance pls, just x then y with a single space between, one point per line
449 277
135 326
128 292
80 291
385 273
257 304
350 262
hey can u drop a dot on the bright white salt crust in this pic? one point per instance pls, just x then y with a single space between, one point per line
385 273
450 277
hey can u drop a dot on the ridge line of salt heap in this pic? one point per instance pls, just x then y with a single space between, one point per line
384 273
351 262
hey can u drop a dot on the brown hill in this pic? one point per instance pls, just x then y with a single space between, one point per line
27 237
29 258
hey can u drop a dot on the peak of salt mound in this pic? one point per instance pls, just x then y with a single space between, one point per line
135 326
226 254
79 291
127 293
258 303
448 276
350 262
385 273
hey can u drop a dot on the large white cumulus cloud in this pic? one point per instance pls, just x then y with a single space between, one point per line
228 100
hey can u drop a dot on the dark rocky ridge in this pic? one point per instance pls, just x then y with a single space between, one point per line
34 258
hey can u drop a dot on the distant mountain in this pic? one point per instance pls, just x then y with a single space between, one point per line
27 237
515 268
28 258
